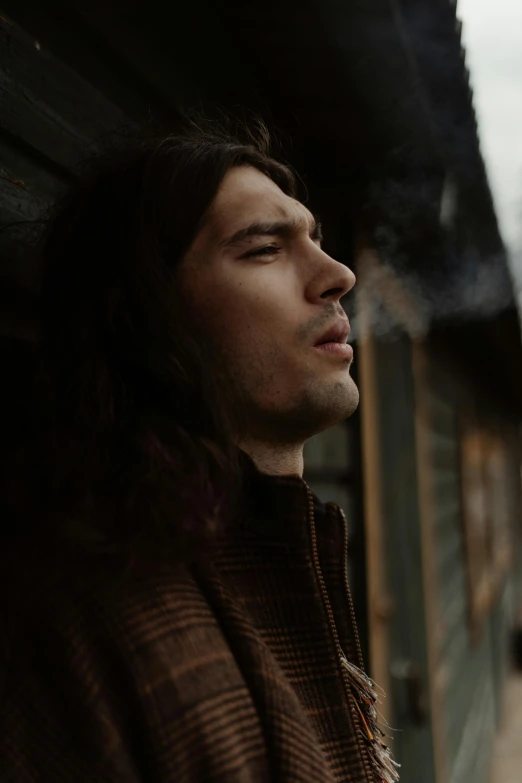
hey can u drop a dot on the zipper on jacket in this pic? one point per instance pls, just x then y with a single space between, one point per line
356 717
348 592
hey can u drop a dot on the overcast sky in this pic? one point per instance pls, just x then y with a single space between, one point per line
492 36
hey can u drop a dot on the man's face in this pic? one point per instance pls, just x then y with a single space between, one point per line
266 293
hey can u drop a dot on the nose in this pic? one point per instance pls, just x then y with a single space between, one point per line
332 279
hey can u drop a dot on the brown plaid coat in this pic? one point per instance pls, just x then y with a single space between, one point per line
225 672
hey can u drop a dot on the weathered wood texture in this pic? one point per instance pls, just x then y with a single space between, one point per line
26 187
403 561
50 119
46 105
27 190
65 34
136 39
470 672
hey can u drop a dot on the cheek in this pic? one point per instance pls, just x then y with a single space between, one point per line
240 313
224 313
245 310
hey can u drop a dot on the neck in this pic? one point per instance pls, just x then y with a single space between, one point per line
275 460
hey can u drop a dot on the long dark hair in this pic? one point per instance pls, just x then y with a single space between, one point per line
136 427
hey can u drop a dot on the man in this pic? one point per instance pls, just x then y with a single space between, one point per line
180 608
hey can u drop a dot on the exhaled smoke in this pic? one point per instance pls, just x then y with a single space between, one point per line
388 303
385 305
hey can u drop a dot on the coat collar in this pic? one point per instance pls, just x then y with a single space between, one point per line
276 509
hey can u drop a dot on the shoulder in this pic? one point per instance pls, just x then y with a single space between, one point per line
107 648
97 597
100 656
93 615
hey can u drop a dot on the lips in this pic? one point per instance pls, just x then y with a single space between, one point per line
337 333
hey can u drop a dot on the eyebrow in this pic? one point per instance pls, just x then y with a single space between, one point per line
281 228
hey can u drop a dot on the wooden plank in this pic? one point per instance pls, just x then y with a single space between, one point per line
399 612
34 175
428 505
131 33
378 595
58 28
26 188
17 202
46 105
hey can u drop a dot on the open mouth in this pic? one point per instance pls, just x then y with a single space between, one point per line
333 340
336 348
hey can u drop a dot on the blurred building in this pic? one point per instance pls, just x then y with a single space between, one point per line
374 104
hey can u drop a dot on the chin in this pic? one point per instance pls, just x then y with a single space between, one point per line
353 400
329 406
340 396
318 407
339 413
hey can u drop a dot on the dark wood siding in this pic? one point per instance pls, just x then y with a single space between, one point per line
412 743
50 119
470 671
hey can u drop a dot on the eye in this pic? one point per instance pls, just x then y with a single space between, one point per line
266 252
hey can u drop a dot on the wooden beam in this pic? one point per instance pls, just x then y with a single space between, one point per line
26 188
131 32
59 30
427 502
378 596
45 104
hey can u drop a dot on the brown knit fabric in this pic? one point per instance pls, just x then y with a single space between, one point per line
227 671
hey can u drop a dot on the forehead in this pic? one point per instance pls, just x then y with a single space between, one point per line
246 195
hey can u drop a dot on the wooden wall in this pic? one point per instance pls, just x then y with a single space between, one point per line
440 573
400 608
469 656
50 119
70 76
